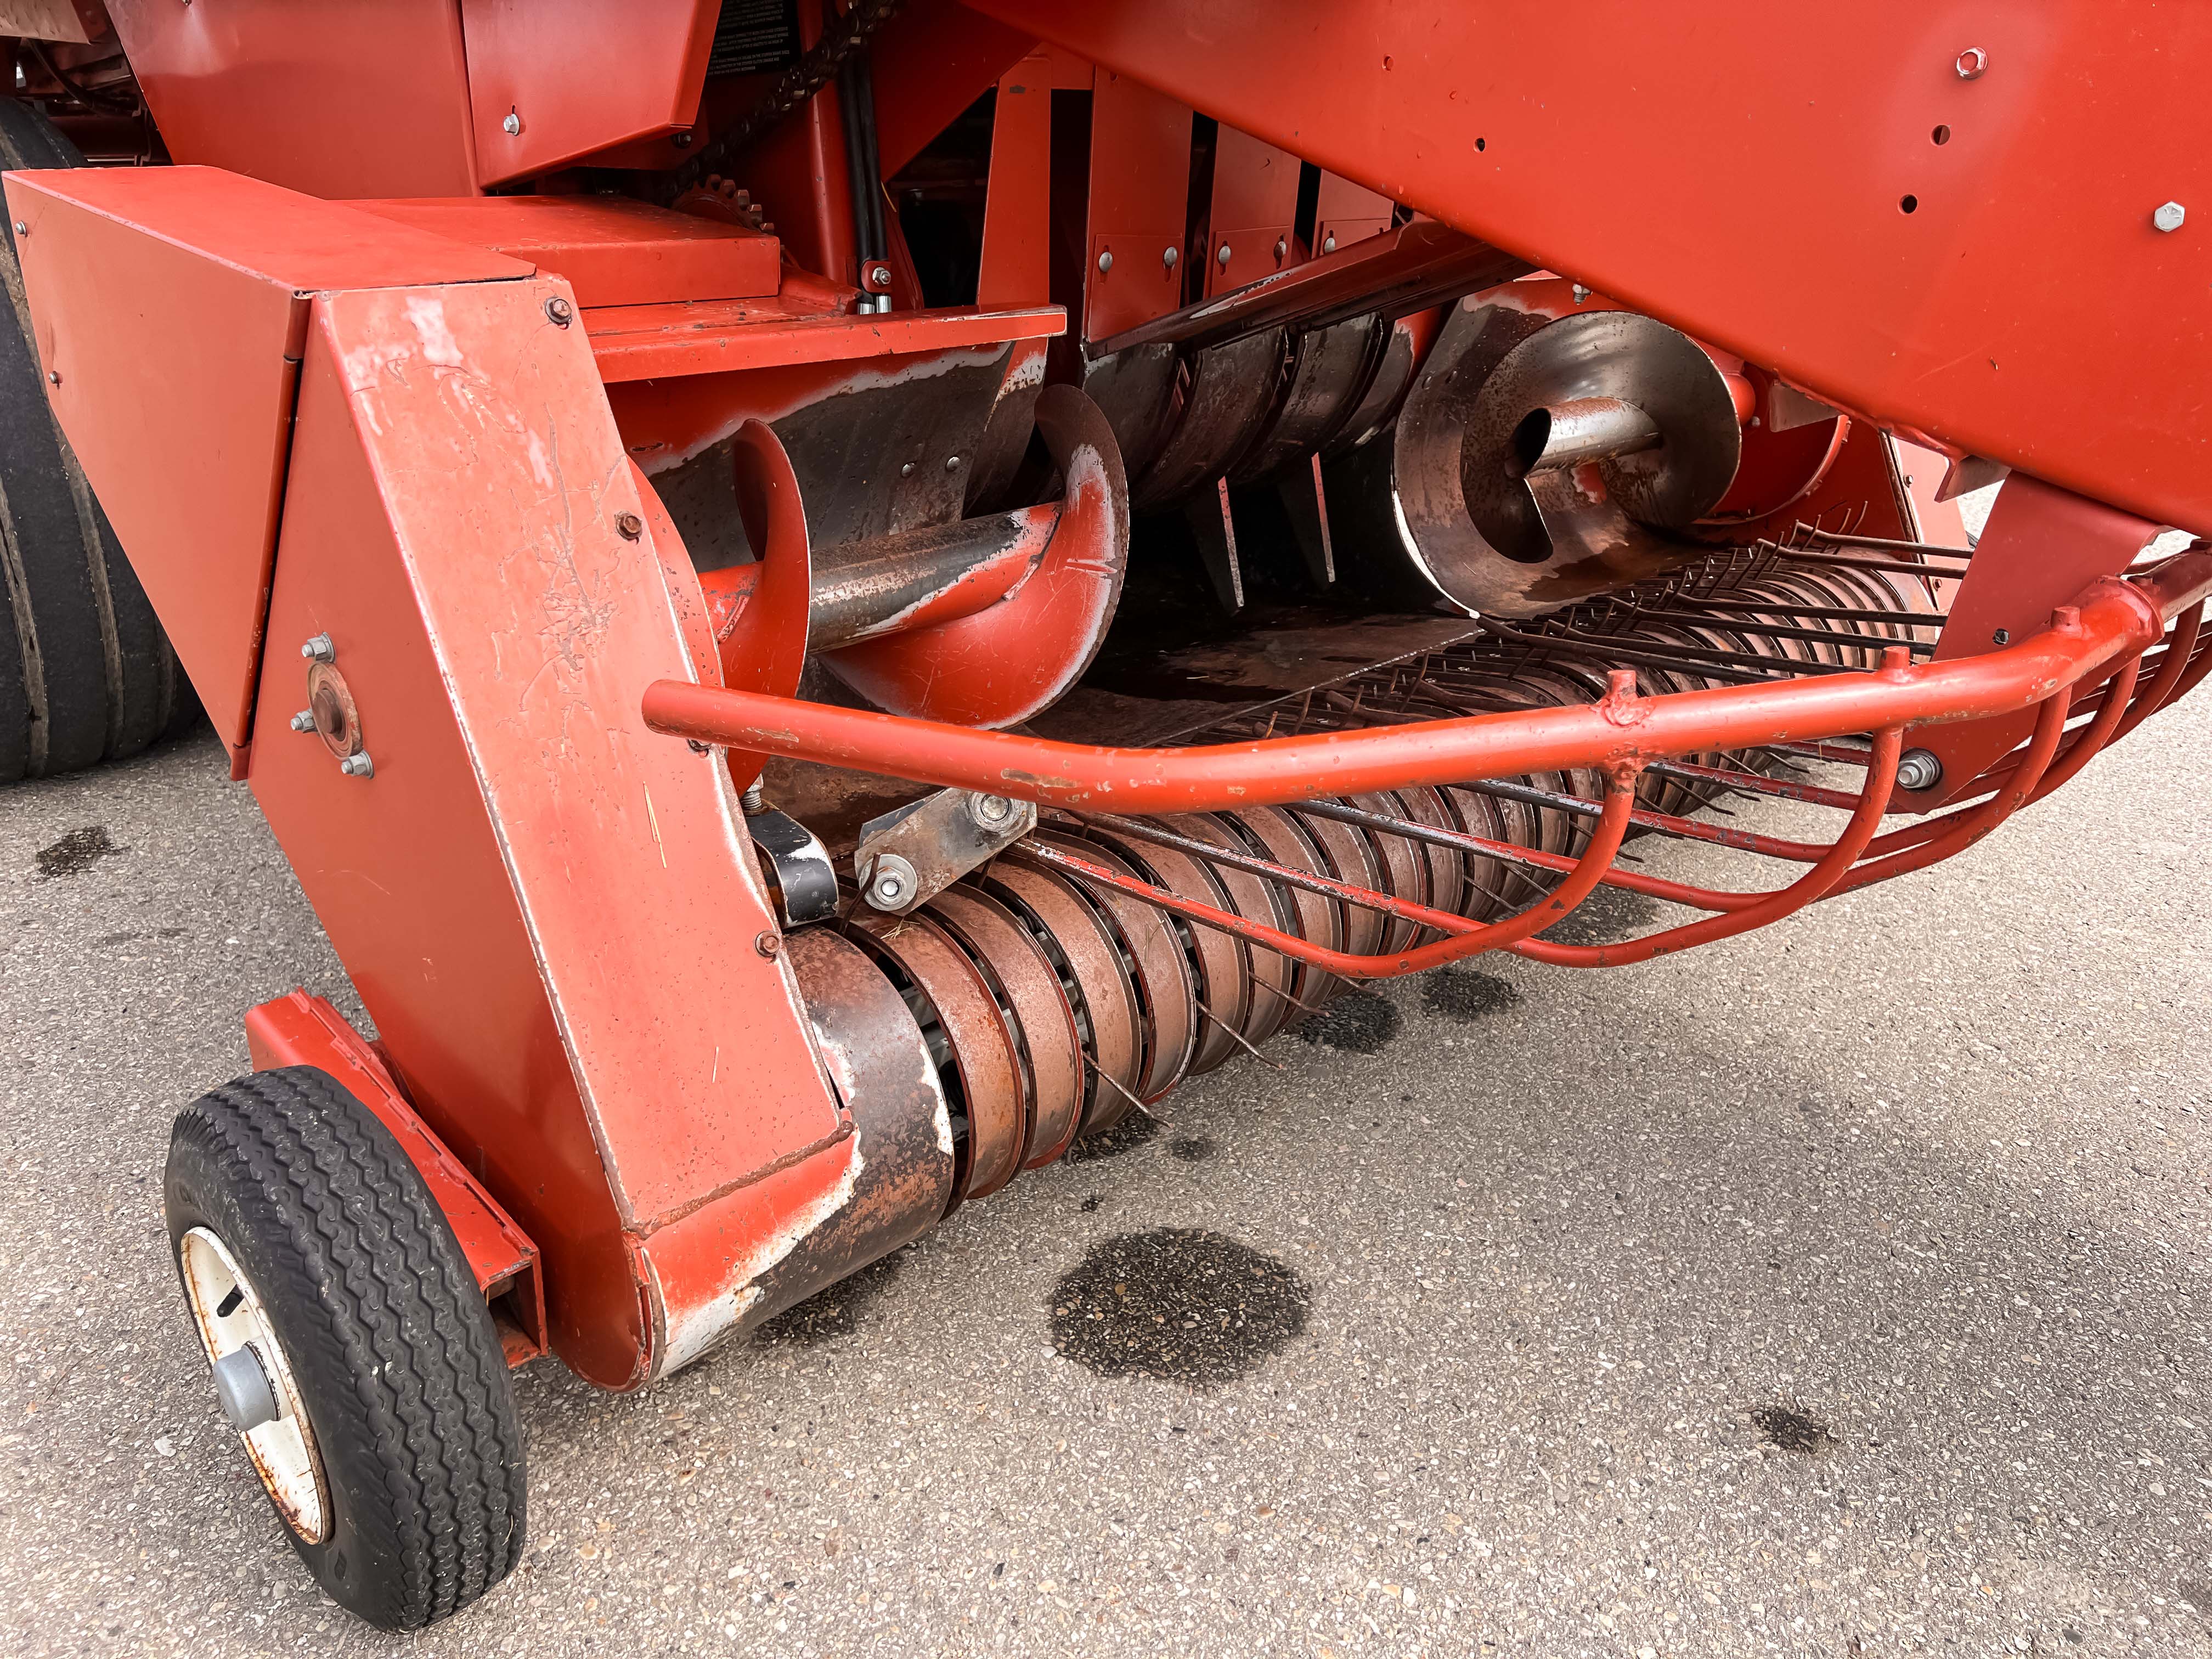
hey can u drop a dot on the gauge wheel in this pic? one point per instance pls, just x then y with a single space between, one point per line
351 1349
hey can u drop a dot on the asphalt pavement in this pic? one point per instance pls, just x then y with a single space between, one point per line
1842 1289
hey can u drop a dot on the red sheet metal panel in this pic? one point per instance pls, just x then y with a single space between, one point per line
301 1029
1771 179
1015 267
176 369
1255 206
1345 213
933 59
551 80
611 250
1140 196
363 98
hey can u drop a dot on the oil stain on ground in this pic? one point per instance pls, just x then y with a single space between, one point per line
77 852
1131 1133
1466 994
1793 1432
835 1313
1359 1022
1607 917
1178 1304
1193 1149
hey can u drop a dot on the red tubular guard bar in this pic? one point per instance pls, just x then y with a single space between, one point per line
2113 619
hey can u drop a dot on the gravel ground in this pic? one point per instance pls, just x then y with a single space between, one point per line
1841 1289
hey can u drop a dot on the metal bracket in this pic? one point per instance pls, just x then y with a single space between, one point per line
915 853
800 871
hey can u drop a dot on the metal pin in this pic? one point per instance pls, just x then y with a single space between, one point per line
1238 1036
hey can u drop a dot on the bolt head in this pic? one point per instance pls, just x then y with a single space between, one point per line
304 720
1328 244
1971 62
2169 215
682 141
1221 258
54 375
1106 262
1282 246
1169 256
2003 636
1581 293
559 311
992 812
321 648
891 882
358 766
512 125
22 229
951 462
879 276
629 525
1917 769
767 944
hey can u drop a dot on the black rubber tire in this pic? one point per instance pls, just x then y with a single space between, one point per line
86 673
389 1341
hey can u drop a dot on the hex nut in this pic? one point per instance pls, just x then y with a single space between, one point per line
891 882
1917 771
767 944
559 311
2169 215
1971 64
304 720
358 765
319 649
629 525
511 126
992 812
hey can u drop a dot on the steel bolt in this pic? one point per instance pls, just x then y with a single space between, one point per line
767 944
319 649
753 799
358 766
1328 244
879 276
1282 246
629 525
54 375
906 469
1917 769
2168 215
992 812
241 1388
559 311
304 720
1169 256
2003 636
1221 258
1106 262
512 125
951 462
1581 293
1971 64
682 141
891 882
22 229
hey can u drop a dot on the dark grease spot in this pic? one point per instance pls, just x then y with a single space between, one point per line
1192 1149
1606 917
1467 994
1358 1021
2197 1593
1178 1304
1132 1131
1791 1431
77 852
1090 1204
832 1314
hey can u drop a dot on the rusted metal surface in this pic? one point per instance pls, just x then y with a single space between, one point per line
762 639
934 842
958 1011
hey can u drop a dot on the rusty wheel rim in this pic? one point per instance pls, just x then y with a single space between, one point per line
1216 959
1105 1002
1048 1041
981 1051
1158 968
1268 1007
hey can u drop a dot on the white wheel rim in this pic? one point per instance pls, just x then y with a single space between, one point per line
283 1451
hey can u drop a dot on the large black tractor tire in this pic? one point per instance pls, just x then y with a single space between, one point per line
86 673
351 1348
